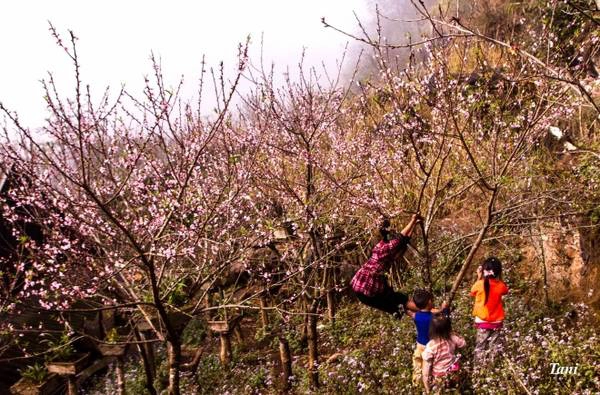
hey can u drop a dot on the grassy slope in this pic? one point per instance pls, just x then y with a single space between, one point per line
374 354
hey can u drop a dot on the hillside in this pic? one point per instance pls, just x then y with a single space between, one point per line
214 252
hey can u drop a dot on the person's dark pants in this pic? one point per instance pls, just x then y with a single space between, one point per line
391 302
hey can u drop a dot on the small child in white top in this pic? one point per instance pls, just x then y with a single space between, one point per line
440 359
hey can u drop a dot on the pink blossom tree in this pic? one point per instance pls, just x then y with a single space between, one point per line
450 128
140 202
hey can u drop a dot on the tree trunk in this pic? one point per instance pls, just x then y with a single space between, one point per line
149 348
174 354
304 331
544 267
331 305
427 262
286 363
329 287
313 354
264 315
225 354
193 365
148 363
71 385
173 337
467 263
119 376
239 335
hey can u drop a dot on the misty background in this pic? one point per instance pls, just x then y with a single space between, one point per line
116 39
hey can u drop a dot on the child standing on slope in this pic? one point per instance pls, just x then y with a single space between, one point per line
422 318
488 310
440 360
424 301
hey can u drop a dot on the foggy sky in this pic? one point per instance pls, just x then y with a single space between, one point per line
117 37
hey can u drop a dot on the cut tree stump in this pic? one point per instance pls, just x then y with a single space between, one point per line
224 325
116 351
68 367
53 385
112 350
224 329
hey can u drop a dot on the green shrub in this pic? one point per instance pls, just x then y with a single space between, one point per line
36 373
194 333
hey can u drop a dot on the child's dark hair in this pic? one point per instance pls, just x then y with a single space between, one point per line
421 297
384 229
440 327
492 268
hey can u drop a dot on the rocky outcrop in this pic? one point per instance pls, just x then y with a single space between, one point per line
572 263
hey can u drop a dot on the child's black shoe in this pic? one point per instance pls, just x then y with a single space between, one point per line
398 314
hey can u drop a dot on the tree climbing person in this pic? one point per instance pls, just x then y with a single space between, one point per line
370 284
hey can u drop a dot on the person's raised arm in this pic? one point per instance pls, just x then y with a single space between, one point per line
408 229
411 306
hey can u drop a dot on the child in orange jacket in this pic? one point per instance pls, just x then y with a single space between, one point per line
488 291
